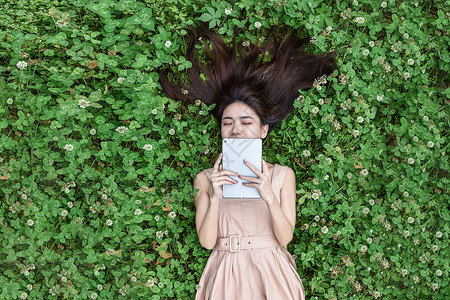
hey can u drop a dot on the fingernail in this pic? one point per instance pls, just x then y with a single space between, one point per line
245 161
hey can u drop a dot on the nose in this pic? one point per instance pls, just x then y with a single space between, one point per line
237 130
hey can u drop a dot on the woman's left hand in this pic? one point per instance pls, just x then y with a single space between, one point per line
262 183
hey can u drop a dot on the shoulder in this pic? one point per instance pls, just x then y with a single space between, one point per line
202 182
289 177
201 178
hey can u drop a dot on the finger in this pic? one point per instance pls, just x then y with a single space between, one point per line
251 167
227 172
225 181
265 168
220 167
249 178
216 165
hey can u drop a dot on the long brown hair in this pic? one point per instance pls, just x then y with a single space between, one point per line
269 87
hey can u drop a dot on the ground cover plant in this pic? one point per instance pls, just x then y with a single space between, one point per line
97 164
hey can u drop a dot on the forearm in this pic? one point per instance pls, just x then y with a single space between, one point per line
207 233
282 228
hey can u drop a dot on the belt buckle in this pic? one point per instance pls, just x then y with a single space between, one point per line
238 243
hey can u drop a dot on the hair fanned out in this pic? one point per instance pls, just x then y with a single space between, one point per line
273 84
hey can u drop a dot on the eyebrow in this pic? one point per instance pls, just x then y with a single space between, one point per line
243 117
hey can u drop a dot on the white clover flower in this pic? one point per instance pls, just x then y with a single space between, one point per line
349 176
384 4
360 119
404 272
366 52
438 234
168 44
434 248
137 212
326 177
147 147
160 284
22 65
96 273
376 294
410 220
316 218
405 35
64 279
10 101
366 210
430 144
108 222
359 20
83 103
410 61
406 75
64 213
369 240
104 196
94 295
363 248
355 93
30 222
257 25
120 80
166 232
306 153
172 214
434 286
324 229
415 138
159 234
380 97
99 287
68 147
134 138
29 287
122 129
329 28
315 196
321 101
364 172
315 110
371 44
438 272
246 43
405 194
133 279
23 295
406 233
355 2
228 11
154 111
61 23
410 160
425 118
371 202
156 218
92 131
171 131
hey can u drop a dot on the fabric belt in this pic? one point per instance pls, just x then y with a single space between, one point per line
235 243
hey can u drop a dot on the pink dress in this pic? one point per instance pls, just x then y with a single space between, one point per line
267 272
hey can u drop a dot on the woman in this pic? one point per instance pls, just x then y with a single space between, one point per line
247 236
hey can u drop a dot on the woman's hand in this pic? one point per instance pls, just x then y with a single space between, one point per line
262 183
220 177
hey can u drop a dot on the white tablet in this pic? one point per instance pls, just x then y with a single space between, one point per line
234 152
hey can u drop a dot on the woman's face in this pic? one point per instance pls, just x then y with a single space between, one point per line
240 121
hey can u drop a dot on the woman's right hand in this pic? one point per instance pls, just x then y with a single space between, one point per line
220 177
